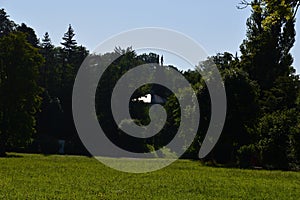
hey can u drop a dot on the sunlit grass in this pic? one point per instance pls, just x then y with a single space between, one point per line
75 177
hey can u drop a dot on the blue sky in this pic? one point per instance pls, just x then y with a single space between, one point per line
216 24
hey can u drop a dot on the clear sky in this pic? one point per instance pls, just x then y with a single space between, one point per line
216 24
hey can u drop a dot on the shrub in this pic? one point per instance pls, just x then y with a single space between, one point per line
246 156
279 139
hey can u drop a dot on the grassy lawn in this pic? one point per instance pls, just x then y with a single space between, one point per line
74 177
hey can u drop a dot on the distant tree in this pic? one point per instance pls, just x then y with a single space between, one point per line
70 58
46 42
6 25
126 60
51 71
47 50
19 91
149 58
80 54
162 60
49 119
30 34
69 43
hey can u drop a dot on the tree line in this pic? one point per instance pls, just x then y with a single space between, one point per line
36 88
262 125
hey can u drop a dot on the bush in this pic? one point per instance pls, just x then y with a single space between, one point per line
165 152
246 156
279 139
152 150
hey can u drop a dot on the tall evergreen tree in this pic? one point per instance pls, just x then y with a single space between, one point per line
70 55
67 55
47 50
50 121
69 43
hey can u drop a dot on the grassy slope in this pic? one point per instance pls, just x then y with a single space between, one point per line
71 177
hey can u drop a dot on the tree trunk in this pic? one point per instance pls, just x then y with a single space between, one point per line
3 131
2 148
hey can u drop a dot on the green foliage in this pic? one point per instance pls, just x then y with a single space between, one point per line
50 72
19 91
263 92
152 150
167 153
30 34
6 25
242 111
71 56
149 58
246 156
57 77
270 37
267 59
125 60
279 139
69 42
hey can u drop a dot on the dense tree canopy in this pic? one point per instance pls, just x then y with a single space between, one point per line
262 127
6 25
19 91
267 59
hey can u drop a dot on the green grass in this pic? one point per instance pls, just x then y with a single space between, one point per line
74 177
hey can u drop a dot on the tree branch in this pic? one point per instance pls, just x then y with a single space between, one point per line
296 9
243 4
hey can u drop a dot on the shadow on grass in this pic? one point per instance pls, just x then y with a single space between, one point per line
10 155
65 154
